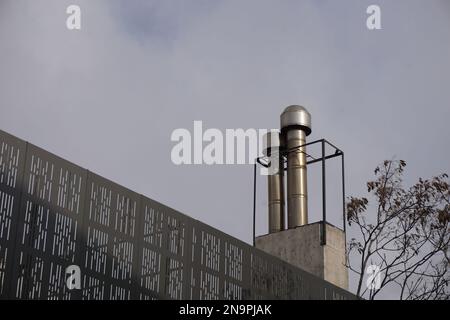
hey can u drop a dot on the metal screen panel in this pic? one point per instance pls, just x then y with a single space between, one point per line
109 251
48 226
12 157
54 214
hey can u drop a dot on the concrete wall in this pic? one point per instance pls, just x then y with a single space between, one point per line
301 247
334 257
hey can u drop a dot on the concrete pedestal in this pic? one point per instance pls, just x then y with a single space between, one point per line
301 247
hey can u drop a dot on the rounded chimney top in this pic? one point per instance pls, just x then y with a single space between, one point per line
296 117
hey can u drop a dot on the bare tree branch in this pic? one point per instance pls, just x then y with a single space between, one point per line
407 238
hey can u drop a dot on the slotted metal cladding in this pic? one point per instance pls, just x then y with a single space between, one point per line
54 214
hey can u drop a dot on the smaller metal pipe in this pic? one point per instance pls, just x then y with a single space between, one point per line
276 199
275 181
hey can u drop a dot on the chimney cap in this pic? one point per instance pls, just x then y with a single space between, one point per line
296 116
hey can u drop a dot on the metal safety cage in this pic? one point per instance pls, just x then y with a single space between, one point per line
322 159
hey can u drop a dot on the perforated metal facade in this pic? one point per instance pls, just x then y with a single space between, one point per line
54 214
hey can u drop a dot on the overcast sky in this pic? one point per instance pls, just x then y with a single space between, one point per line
108 97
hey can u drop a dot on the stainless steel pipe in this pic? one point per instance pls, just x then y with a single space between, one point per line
275 181
295 126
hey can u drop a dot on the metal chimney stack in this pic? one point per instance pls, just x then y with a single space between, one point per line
326 258
275 182
295 126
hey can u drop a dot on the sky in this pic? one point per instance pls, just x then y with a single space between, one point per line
108 97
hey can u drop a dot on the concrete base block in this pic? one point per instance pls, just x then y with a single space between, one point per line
301 247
